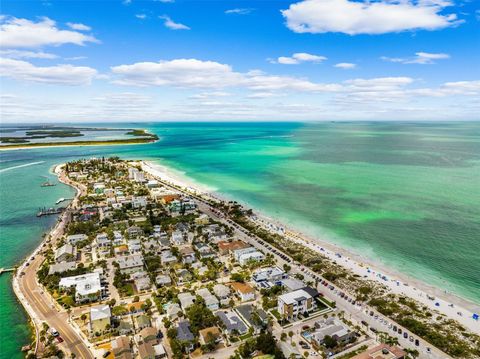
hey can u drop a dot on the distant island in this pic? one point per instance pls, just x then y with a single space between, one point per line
34 133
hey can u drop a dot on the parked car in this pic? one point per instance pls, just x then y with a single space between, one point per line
106 354
304 345
405 335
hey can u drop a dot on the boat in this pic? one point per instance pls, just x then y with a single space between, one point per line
60 200
47 184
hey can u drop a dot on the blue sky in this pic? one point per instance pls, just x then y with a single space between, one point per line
240 60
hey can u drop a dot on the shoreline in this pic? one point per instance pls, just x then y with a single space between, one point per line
353 262
79 144
34 321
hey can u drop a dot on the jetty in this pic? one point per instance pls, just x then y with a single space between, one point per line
4 270
60 200
49 211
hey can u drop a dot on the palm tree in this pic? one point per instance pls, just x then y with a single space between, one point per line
412 353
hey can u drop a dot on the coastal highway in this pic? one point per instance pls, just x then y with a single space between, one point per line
46 311
355 313
38 302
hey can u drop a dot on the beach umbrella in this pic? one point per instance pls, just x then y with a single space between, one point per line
475 316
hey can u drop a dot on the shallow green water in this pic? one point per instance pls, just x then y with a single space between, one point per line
407 195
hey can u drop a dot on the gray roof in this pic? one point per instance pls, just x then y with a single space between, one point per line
231 321
61 267
247 311
184 332
132 261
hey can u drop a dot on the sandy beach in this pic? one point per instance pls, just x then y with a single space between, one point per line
446 303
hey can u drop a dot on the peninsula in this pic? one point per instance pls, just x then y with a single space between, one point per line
134 136
141 265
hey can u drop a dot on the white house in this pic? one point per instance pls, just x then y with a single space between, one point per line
223 293
130 264
87 286
65 253
75 238
210 300
186 300
245 258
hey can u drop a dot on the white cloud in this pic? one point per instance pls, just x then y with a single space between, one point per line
367 17
262 95
180 73
345 65
193 73
79 27
465 88
59 74
211 94
422 58
22 54
168 22
141 16
76 58
239 11
298 58
23 33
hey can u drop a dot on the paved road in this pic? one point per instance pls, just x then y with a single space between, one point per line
42 304
354 313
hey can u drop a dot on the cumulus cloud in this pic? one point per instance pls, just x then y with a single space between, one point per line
168 22
193 73
367 17
422 58
466 88
345 65
79 27
59 74
239 11
298 58
22 54
180 73
23 33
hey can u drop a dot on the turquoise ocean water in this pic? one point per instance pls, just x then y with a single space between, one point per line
404 194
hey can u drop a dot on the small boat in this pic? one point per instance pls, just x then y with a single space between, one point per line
47 184
60 200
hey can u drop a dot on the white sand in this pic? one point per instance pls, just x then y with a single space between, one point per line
446 303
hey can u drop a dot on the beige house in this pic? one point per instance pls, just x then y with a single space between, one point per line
209 334
292 304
